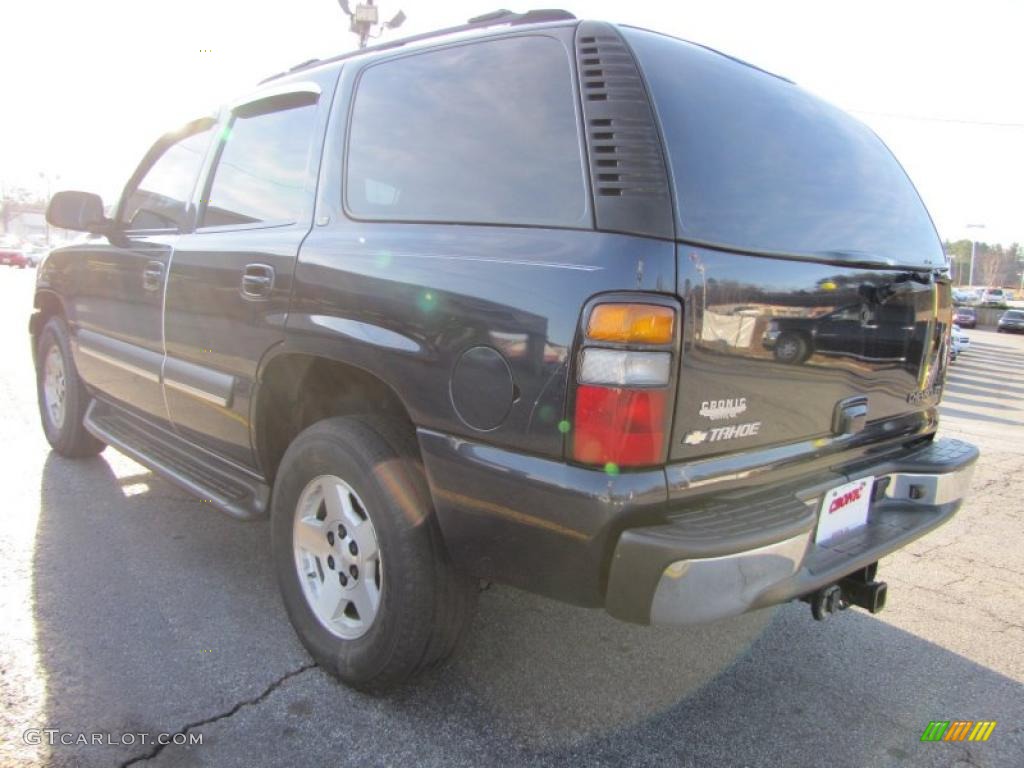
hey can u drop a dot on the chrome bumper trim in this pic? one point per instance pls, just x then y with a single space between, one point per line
701 590
697 591
930 490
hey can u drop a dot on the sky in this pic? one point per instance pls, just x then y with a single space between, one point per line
88 86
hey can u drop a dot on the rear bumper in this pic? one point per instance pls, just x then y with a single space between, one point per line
912 496
650 545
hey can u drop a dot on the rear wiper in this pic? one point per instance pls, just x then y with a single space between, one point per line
903 283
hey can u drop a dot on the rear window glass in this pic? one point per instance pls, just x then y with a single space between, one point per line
760 164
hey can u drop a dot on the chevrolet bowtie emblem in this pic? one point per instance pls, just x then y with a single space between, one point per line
695 438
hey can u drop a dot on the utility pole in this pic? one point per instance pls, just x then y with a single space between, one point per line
46 177
365 17
970 279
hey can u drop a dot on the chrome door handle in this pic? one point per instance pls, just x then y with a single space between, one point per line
257 281
153 276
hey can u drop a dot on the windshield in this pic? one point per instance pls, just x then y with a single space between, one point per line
1014 315
759 164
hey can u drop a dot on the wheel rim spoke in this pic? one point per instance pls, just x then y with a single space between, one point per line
330 598
365 599
366 540
333 500
311 535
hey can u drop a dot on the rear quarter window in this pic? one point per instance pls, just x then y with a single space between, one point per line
759 164
484 132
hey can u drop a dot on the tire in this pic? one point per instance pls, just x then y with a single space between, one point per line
423 604
62 396
791 348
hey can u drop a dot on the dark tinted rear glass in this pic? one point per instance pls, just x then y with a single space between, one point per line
760 164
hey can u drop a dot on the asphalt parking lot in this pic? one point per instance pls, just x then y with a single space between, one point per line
129 607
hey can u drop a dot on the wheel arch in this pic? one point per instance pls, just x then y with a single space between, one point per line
47 304
300 383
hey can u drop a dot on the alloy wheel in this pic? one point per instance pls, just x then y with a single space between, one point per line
337 557
54 386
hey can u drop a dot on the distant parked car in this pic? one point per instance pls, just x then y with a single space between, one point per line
34 255
960 342
13 257
992 297
965 317
1012 321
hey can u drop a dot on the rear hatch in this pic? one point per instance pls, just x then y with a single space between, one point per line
780 351
808 267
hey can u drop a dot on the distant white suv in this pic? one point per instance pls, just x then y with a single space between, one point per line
993 296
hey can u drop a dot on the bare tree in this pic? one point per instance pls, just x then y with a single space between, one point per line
995 264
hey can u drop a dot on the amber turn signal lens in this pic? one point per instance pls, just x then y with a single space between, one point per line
631 323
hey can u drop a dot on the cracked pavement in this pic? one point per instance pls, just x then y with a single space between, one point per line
129 607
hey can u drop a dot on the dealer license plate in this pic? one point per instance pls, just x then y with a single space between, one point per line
844 509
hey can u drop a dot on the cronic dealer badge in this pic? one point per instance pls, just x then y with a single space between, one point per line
723 409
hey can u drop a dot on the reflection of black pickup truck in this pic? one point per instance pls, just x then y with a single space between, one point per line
864 331
439 309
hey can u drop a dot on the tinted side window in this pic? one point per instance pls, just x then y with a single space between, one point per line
482 133
160 199
261 173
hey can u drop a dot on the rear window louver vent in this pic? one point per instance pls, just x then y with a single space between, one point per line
627 165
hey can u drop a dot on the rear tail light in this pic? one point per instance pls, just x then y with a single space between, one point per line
622 412
618 427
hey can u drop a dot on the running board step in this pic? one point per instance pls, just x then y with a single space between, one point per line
225 486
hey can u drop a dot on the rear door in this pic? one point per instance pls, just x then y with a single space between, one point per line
230 281
118 291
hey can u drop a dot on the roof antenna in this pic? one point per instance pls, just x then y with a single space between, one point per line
366 17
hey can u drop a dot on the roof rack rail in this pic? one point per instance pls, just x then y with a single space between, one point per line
492 19
505 16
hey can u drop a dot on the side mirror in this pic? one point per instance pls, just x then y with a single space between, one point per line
80 211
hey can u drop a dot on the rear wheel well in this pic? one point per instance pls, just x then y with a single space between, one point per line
298 390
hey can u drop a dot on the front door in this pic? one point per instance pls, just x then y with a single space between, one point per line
117 293
230 280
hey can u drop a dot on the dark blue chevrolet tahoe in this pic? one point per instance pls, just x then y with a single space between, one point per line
505 303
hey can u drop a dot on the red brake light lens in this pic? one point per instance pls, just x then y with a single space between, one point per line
617 427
